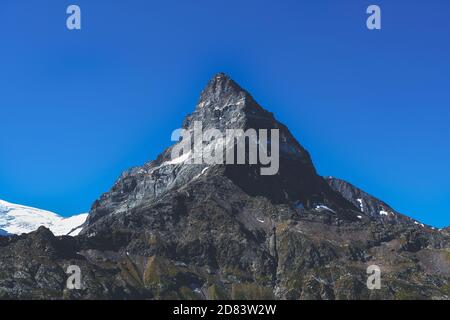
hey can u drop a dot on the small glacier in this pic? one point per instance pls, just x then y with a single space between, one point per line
19 219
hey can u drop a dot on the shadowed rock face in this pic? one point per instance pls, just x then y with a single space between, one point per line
172 230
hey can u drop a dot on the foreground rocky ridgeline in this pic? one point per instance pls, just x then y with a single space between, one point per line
171 230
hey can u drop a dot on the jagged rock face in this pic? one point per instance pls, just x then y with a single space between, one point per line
223 105
367 204
360 199
172 230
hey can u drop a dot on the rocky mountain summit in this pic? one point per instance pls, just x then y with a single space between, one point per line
171 229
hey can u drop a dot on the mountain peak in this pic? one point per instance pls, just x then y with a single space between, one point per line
221 82
224 104
221 91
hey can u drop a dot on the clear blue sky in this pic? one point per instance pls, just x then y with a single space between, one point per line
79 107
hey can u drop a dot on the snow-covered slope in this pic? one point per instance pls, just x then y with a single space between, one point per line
18 219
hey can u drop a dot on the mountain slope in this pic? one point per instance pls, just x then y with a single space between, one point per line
18 219
368 204
175 230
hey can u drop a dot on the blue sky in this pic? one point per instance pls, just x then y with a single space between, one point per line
79 107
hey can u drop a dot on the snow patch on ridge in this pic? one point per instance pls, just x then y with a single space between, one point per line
361 204
180 159
322 207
